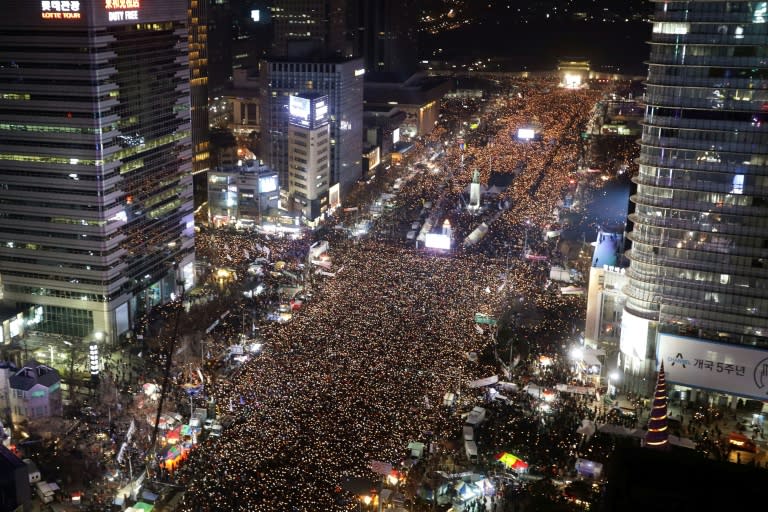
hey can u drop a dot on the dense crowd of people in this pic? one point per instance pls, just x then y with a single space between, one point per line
361 371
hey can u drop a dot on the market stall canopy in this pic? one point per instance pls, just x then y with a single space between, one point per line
512 461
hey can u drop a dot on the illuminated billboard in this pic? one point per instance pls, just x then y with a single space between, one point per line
438 241
298 107
321 112
122 10
634 336
267 183
95 13
309 110
60 10
738 370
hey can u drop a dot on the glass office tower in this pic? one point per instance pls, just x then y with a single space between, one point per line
96 213
699 258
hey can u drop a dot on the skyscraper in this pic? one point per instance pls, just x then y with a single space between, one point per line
699 256
96 219
308 153
312 28
342 81
388 39
198 81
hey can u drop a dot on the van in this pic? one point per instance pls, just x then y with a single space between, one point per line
216 429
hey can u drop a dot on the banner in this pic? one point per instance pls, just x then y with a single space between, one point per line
733 369
382 468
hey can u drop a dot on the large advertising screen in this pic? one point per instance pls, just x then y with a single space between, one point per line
321 112
308 112
733 369
298 107
268 183
437 241
634 336
526 133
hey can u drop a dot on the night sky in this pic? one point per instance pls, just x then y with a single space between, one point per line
535 41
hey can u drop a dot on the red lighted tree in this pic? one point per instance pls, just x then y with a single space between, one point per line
658 429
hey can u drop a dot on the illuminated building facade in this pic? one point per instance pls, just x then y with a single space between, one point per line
198 91
241 195
308 154
96 211
699 256
342 81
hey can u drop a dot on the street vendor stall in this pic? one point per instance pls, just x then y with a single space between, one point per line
513 462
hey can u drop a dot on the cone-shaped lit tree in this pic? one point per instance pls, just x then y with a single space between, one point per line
658 430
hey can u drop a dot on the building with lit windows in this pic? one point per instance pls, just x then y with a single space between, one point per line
419 97
388 39
308 154
96 211
242 195
342 81
34 392
313 28
697 292
198 91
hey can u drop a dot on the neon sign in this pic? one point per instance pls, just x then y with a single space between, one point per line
122 10
121 4
60 9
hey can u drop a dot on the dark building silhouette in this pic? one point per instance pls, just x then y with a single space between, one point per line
313 28
387 39
198 92
15 491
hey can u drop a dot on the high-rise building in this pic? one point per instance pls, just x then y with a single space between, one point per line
699 259
198 89
220 38
313 28
388 40
308 153
96 211
342 81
